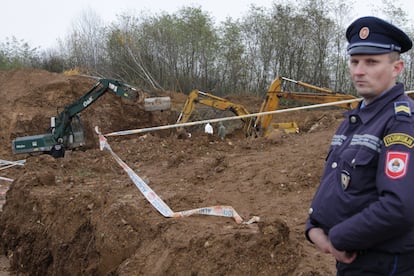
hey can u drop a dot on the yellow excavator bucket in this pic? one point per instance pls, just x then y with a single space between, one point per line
290 127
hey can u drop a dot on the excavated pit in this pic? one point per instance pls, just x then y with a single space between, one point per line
82 215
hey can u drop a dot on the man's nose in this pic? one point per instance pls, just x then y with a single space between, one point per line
359 69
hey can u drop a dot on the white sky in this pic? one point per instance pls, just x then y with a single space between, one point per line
42 22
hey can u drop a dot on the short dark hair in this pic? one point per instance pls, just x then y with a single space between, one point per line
394 56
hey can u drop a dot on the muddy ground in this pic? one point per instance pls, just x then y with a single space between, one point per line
82 215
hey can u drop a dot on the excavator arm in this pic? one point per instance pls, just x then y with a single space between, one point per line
64 119
318 98
66 129
199 97
307 85
270 103
263 123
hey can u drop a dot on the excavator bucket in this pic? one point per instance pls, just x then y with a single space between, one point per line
290 127
157 103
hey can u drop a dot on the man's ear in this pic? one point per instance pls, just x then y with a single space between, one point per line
398 67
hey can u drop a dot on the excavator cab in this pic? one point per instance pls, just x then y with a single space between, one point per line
74 138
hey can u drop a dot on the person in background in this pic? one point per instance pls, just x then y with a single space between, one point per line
208 129
363 210
221 131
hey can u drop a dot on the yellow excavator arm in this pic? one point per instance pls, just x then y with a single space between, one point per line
270 103
307 85
318 98
199 97
264 124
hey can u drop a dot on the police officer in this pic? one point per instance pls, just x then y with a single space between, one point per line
363 210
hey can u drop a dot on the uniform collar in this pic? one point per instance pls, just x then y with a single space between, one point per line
377 105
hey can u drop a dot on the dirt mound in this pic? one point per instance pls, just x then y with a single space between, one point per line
82 215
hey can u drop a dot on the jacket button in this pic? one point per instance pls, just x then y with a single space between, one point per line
310 211
353 119
334 165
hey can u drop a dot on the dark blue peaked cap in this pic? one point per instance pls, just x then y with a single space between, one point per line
373 36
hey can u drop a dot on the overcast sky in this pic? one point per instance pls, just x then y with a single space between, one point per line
42 22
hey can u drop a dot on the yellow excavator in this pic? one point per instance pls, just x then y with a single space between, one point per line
249 123
263 123
211 100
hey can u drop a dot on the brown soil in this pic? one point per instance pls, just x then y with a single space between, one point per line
82 214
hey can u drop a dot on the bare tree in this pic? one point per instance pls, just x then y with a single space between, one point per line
86 42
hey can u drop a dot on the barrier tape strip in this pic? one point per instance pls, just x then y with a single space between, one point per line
187 124
216 120
6 179
159 204
3 167
7 162
4 164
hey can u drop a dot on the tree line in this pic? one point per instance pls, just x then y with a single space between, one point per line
188 50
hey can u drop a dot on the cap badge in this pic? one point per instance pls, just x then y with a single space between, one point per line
363 33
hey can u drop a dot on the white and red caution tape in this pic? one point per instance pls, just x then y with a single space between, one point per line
5 164
6 179
159 204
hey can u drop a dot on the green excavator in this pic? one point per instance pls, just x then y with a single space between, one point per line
66 129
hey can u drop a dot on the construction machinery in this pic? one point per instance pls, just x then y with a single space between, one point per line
263 123
211 100
249 123
66 130
324 95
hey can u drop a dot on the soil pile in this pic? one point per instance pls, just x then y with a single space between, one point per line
82 214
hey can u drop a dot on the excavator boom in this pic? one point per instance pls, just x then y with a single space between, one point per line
318 98
307 85
211 100
324 95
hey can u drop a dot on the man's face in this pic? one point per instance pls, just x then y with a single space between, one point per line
374 74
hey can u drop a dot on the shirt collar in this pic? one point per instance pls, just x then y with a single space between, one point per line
371 110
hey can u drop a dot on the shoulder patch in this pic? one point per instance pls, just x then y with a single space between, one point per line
399 138
396 164
402 109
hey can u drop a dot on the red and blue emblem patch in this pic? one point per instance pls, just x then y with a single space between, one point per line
396 164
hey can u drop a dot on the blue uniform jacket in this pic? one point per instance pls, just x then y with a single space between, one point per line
365 200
